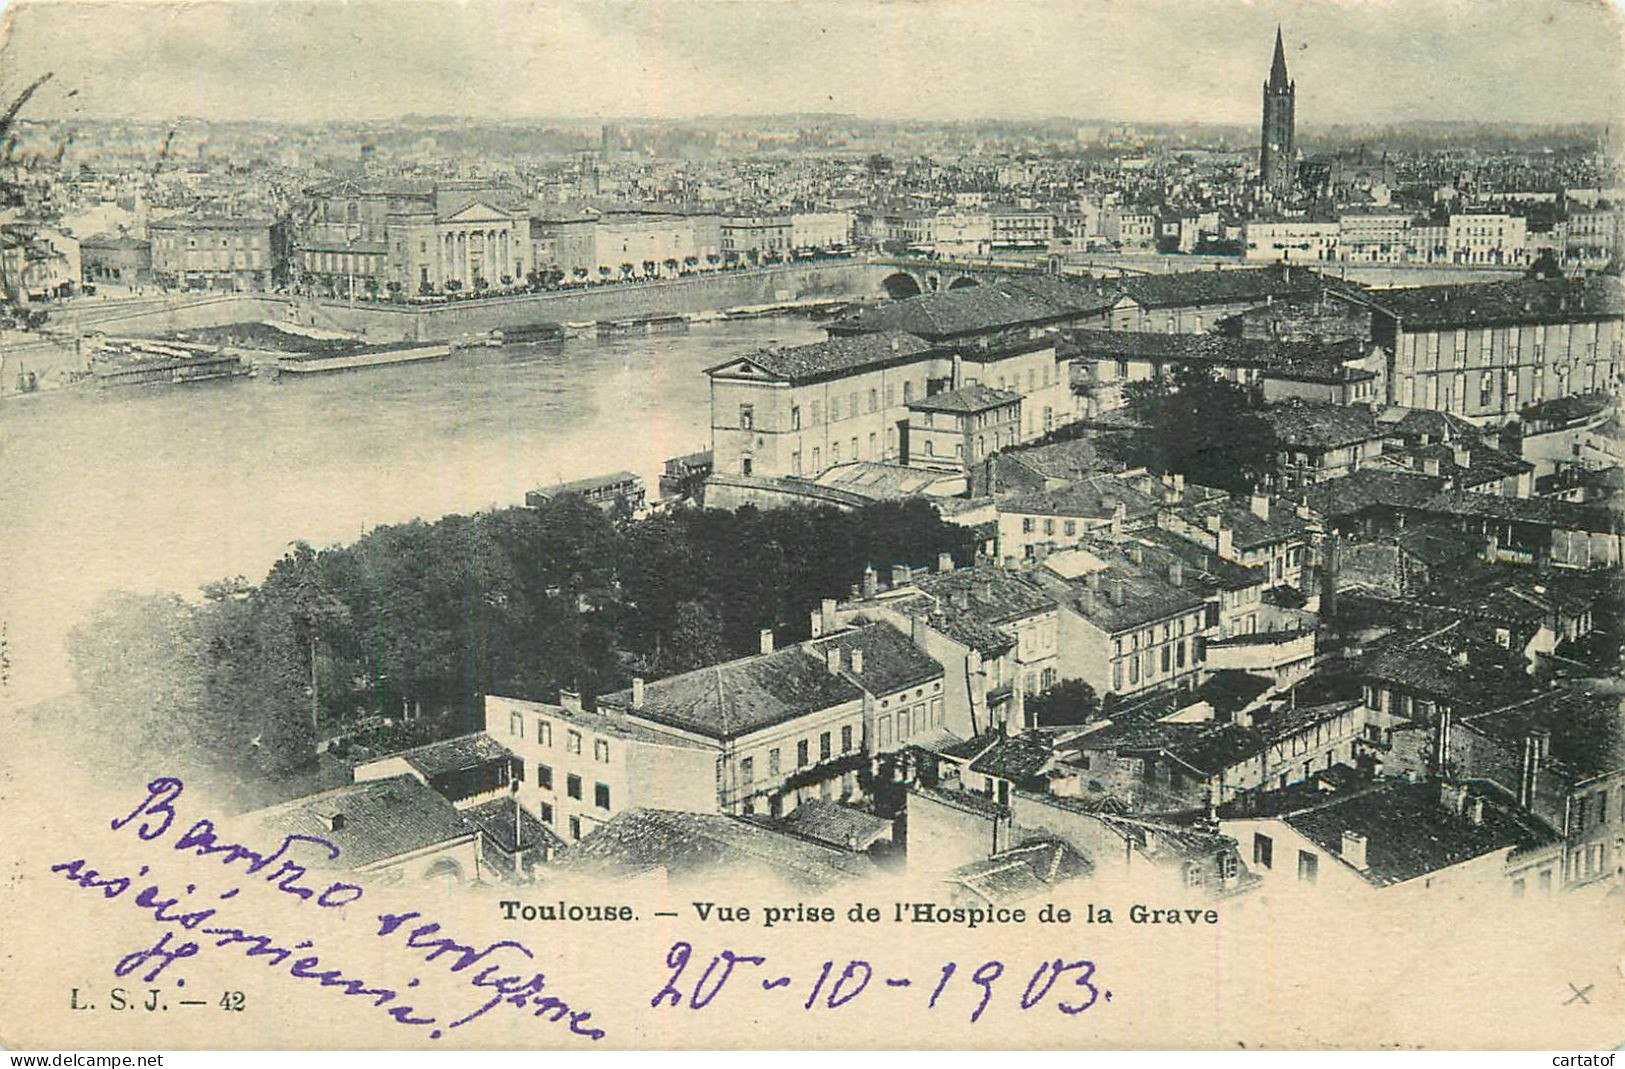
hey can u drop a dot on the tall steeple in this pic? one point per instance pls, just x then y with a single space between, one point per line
1276 153
1278 78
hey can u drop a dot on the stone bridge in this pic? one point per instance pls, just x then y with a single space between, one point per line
909 276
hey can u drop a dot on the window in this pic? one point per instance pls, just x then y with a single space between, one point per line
773 761
600 751
547 812
795 417
744 465
1049 525
801 754
908 392
572 786
1308 866
600 795
747 770
1193 874
516 725
1263 850
846 739
1229 866
1026 525
874 400
823 746
575 827
544 777
572 742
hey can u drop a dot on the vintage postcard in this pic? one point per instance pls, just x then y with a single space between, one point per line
1062 524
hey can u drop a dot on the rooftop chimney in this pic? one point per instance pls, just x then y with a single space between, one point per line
571 700
832 659
817 628
1176 573
767 640
901 575
945 563
1261 507
982 588
1462 455
896 344
1226 547
1453 797
857 661
871 581
1135 553
334 821
637 693
1119 591
1354 849
826 609
1430 465
1212 521
1475 811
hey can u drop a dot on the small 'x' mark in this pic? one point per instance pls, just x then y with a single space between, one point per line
1579 994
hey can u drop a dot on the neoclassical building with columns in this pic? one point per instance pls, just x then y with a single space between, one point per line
466 240
417 235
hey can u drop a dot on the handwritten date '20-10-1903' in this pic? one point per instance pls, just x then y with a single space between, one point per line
832 990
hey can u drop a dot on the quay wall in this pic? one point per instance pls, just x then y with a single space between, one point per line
702 293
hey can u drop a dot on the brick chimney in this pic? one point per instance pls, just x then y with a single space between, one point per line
832 659
945 563
1118 591
767 639
1226 546
637 693
901 576
1475 811
1176 572
571 700
1430 465
1353 849
1462 455
1261 506
1453 797
871 581
857 662
826 609
817 622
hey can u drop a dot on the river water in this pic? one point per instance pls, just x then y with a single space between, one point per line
170 487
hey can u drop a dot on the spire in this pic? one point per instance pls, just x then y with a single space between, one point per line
1278 79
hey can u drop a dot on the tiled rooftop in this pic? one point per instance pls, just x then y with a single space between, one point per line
379 819
1410 833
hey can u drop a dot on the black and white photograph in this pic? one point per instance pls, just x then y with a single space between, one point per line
859 525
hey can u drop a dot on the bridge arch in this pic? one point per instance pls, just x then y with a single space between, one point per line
963 281
900 285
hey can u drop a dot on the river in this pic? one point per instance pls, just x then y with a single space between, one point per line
167 488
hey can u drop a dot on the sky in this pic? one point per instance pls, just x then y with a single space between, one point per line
1136 60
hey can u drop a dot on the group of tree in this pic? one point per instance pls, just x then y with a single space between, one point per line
418 620
1193 423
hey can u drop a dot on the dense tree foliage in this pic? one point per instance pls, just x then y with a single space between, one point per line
1200 426
418 620
1071 701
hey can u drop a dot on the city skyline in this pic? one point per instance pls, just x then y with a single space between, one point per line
496 60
